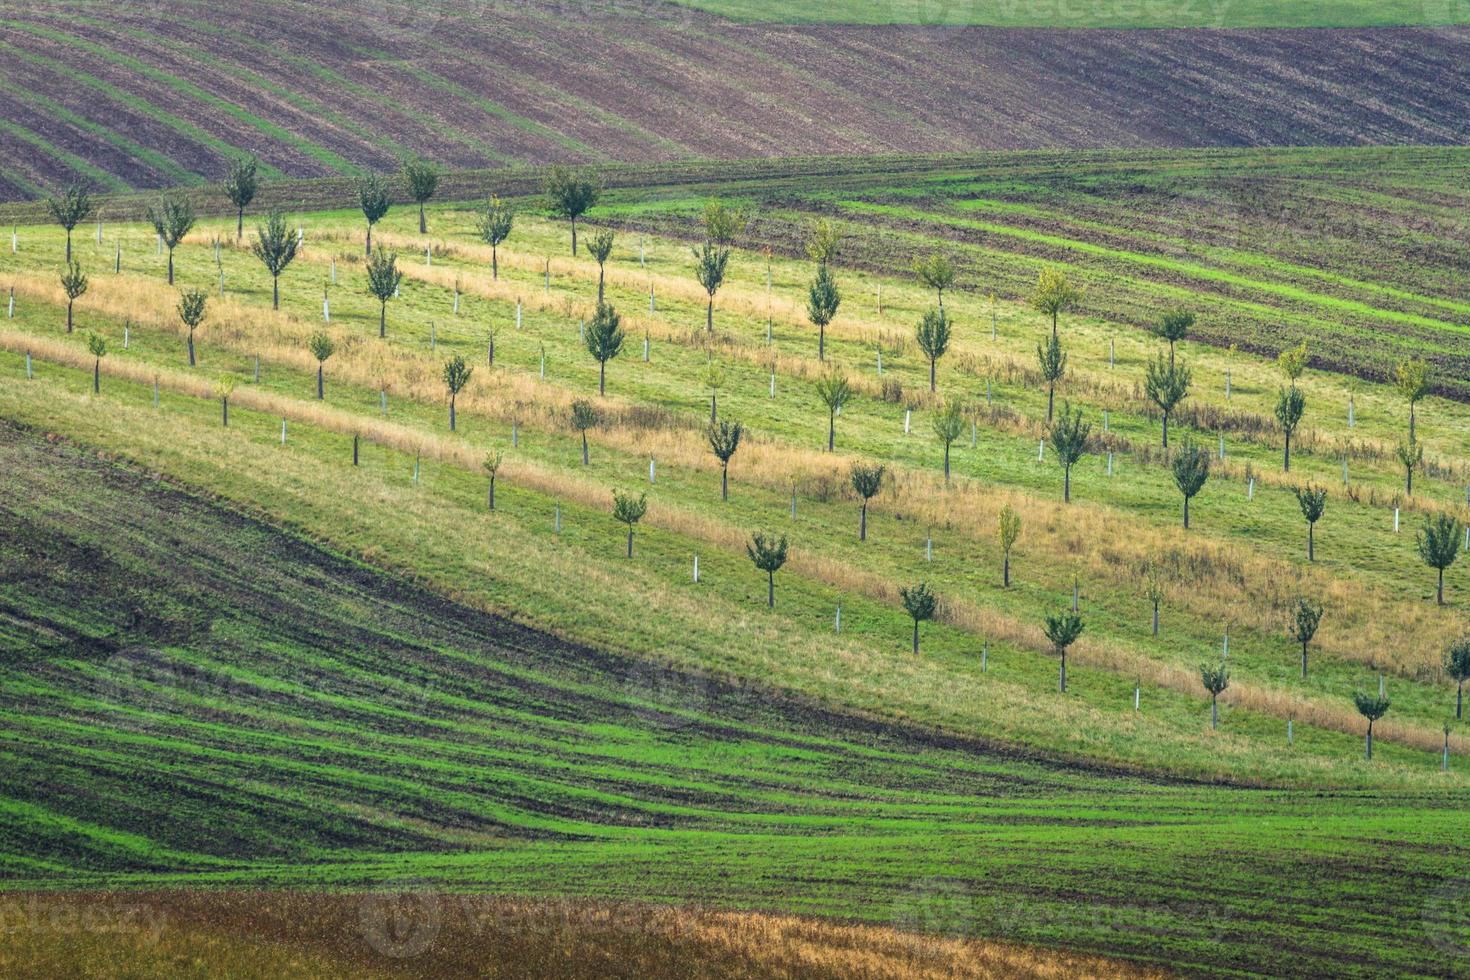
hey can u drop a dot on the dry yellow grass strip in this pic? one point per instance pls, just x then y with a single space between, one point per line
261 935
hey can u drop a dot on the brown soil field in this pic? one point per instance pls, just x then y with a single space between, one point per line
163 92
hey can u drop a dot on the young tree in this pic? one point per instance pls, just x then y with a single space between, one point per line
1303 626
422 178
1010 532
570 195
835 392
191 312
492 467
936 271
1290 405
1174 326
933 337
604 339
584 417
601 247
1372 707
321 348
97 347
240 186
1439 545
823 241
1054 295
224 387
1166 386
373 199
74 284
1053 365
1411 377
1153 591
866 482
948 424
1215 680
1410 456
456 376
383 277
722 223
73 206
493 224
768 553
629 510
1062 630
920 603
713 378
821 306
724 439
1068 438
1457 665
1313 501
275 246
171 217
1191 466
709 268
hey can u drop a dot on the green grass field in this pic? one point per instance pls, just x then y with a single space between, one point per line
761 744
992 13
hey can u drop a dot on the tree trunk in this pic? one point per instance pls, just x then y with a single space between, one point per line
451 413
1156 619
423 227
383 319
630 542
600 274
1186 513
725 482
584 447
1311 544
1064 672
275 292
68 314
1066 484
1005 576
494 263
1286 464
1459 700
770 590
368 249
916 637
97 377
319 392
240 224
225 410
68 246
946 462
713 406
356 443
1166 430
831 430
602 377
1439 592
933 361
492 493
822 343
1051 390
1370 740
863 522
1304 661
170 266
1408 481
1214 713
574 237
191 347
1053 325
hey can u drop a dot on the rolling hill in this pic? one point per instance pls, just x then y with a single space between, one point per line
163 93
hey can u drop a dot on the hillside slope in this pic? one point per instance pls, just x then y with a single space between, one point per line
162 93
307 720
